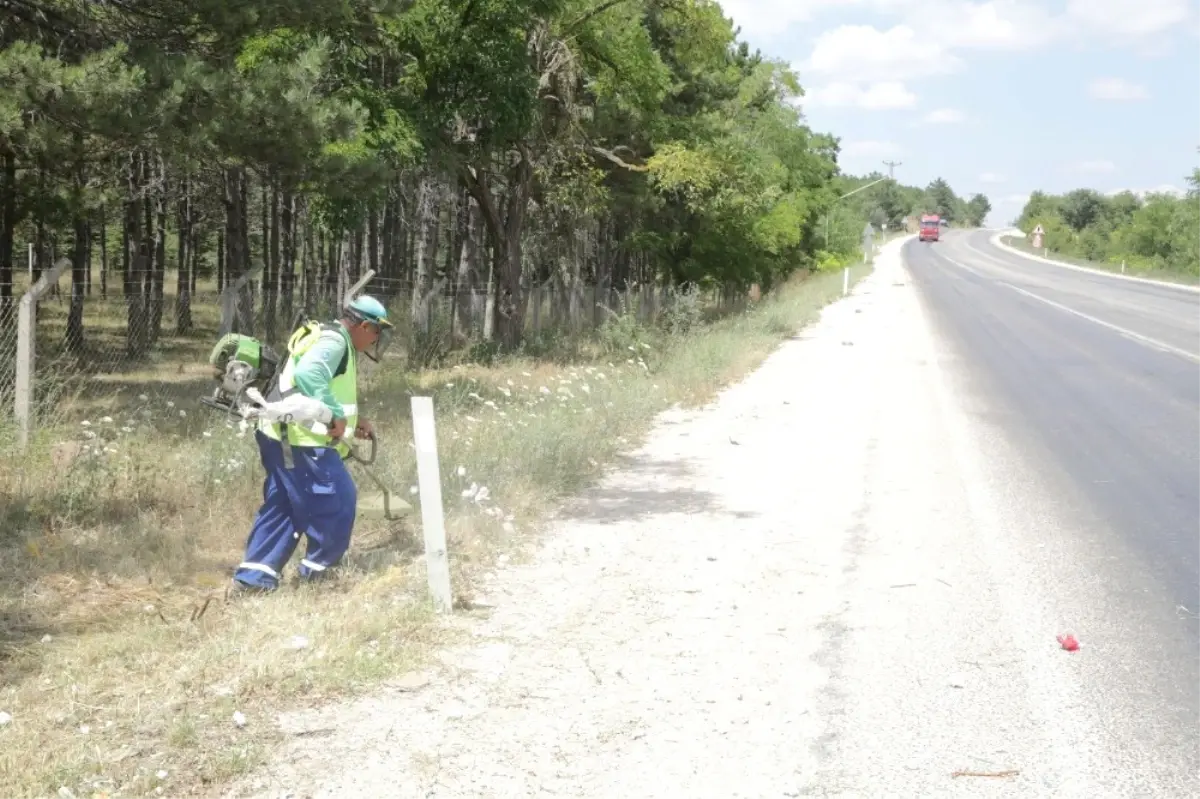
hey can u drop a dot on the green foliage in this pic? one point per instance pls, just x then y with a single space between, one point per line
641 117
1158 232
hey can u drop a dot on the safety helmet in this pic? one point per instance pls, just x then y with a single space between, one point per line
365 308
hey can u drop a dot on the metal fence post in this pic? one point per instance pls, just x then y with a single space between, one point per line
27 349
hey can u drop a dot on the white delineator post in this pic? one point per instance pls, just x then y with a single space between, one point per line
433 523
26 349
845 281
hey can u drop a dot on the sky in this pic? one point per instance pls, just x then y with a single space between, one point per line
1003 97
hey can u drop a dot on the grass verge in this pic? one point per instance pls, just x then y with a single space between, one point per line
1164 275
124 673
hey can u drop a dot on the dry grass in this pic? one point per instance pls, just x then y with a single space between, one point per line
122 666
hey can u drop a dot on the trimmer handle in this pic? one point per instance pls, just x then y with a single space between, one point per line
357 455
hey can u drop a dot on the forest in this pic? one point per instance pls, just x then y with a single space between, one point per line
459 148
1159 231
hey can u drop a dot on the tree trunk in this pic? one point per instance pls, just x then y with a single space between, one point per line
136 258
426 223
222 277
79 254
237 260
87 255
287 264
74 340
506 231
389 232
158 271
271 273
309 266
103 253
373 246
468 265
8 225
183 281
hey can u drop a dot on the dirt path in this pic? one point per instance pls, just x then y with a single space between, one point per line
798 591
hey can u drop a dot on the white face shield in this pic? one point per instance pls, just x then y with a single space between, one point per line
375 352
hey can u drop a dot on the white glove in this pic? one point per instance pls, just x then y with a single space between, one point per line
296 408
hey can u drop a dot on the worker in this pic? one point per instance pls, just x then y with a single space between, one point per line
308 490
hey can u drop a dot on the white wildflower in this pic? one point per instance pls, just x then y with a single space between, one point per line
170 404
85 423
462 471
206 434
482 494
143 397
106 420
239 718
469 493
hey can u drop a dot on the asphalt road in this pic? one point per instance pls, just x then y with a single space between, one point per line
1097 381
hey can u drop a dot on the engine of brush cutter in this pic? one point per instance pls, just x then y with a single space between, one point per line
239 363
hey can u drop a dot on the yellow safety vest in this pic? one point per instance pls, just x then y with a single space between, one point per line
344 387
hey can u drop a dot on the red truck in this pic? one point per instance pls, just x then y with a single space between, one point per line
931 227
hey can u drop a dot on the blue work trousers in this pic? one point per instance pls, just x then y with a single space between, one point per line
315 497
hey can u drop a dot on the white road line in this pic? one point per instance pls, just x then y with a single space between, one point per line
1151 342
1116 328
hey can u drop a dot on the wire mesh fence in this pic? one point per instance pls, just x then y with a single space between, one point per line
97 353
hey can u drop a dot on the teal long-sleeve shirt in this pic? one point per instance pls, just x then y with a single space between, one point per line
313 373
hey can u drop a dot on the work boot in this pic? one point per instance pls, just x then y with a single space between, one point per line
239 590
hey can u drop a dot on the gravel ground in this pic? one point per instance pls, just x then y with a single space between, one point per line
812 587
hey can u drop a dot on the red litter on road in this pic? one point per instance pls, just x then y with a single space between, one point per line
1068 642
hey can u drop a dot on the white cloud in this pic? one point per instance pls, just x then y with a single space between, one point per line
991 177
1117 89
1127 19
995 25
944 116
1014 199
864 54
882 96
1166 188
762 18
1096 167
861 150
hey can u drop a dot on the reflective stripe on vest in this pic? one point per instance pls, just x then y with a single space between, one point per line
345 391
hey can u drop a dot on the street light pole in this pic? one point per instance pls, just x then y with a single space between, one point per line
839 199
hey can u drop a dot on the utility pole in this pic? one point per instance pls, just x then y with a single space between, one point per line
891 165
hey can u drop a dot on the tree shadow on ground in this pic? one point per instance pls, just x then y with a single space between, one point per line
630 497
